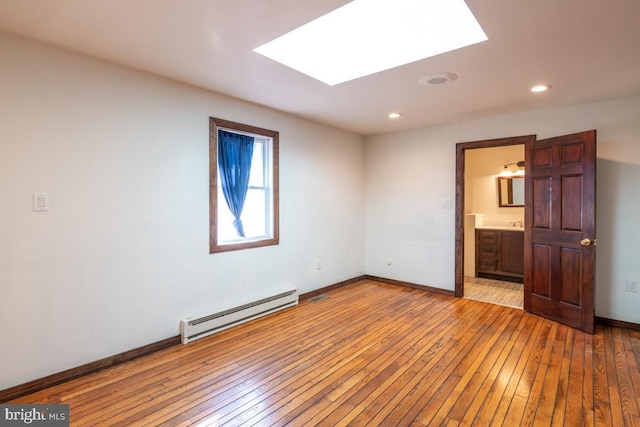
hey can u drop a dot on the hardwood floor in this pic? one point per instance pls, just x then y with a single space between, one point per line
494 291
373 354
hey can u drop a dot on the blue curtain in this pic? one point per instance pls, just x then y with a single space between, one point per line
234 162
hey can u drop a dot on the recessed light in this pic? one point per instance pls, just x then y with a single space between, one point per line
394 115
364 37
540 88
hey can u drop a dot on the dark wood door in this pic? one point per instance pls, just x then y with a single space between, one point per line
560 223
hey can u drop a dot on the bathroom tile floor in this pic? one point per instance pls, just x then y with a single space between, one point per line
494 291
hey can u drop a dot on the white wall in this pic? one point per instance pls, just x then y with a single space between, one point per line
482 167
122 255
409 173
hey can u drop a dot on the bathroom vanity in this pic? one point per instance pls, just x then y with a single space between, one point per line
500 253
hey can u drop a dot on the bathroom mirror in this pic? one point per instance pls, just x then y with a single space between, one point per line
510 191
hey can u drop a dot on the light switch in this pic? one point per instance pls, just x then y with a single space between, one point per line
40 202
446 203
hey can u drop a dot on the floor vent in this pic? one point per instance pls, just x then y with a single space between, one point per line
319 298
201 326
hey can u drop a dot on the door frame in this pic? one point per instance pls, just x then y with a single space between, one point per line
461 147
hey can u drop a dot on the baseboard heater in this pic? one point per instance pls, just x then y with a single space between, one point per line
201 326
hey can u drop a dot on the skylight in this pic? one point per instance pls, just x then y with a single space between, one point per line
368 36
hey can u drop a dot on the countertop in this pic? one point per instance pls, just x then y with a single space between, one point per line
499 227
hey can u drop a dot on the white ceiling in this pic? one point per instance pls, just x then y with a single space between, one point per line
586 49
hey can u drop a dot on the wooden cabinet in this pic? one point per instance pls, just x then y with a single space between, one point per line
500 254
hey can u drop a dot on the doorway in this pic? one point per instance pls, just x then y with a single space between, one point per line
490 285
494 225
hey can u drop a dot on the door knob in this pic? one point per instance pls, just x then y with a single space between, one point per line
585 242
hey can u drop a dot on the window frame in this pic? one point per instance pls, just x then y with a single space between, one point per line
214 246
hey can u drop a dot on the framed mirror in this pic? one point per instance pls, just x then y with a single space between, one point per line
510 191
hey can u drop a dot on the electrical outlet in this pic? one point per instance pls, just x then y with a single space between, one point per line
632 286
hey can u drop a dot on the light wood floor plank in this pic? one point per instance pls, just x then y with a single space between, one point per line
429 343
442 341
432 411
484 392
624 382
528 389
373 364
588 408
377 355
554 379
430 390
617 417
634 363
377 408
569 401
496 404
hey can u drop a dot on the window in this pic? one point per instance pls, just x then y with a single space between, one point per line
243 178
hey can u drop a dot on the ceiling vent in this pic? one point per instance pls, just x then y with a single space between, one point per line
437 79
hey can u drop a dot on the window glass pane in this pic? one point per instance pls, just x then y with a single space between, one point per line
256 178
253 214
